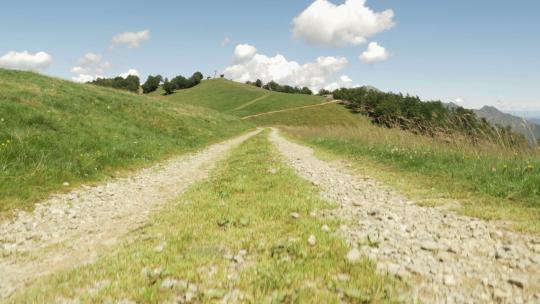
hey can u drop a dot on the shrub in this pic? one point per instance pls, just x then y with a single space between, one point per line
152 83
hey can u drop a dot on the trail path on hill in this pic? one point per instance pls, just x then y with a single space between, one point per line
292 109
251 102
73 228
447 258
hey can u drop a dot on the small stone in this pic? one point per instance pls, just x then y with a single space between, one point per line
159 248
295 215
65 184
430 246
325 228
215 293
499 294
517 281
354 256
168 283
373 212
238 259
312 241
342 277
145 272
449 280
393 269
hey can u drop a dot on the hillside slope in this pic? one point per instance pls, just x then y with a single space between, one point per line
54 133
240 99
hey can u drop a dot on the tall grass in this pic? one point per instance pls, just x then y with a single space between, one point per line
486 168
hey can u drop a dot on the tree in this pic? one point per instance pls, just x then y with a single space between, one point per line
306 90
258 83
151 84
198 77
168 87
180 82
130 83
323 92
273 86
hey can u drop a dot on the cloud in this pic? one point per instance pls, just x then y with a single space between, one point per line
90 66
351 23
225 42
129 72
249 65
244 52
132 39
343 82
85 78
374 53
25 60
459 100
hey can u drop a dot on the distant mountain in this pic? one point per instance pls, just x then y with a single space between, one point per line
528 128
452 105
535 120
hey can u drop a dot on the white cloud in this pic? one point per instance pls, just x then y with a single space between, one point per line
89 67
244 52
129 72
343 82
248 65
132 39
225 42
374 53
85 78
25 60
352 22
79 70
90 58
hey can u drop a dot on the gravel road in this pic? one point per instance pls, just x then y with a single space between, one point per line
74 228
446 258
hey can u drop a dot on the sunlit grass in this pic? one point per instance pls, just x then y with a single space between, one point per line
231 234
489 181
239 99
54 132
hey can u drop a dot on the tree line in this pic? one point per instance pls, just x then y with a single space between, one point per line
425 117
132 83
276 87
180 82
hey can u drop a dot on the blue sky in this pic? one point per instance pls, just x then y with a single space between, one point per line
481 52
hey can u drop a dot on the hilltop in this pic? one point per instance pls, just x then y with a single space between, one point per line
240 99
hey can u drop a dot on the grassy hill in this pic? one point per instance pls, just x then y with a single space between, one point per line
54 132
239 99
491 181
